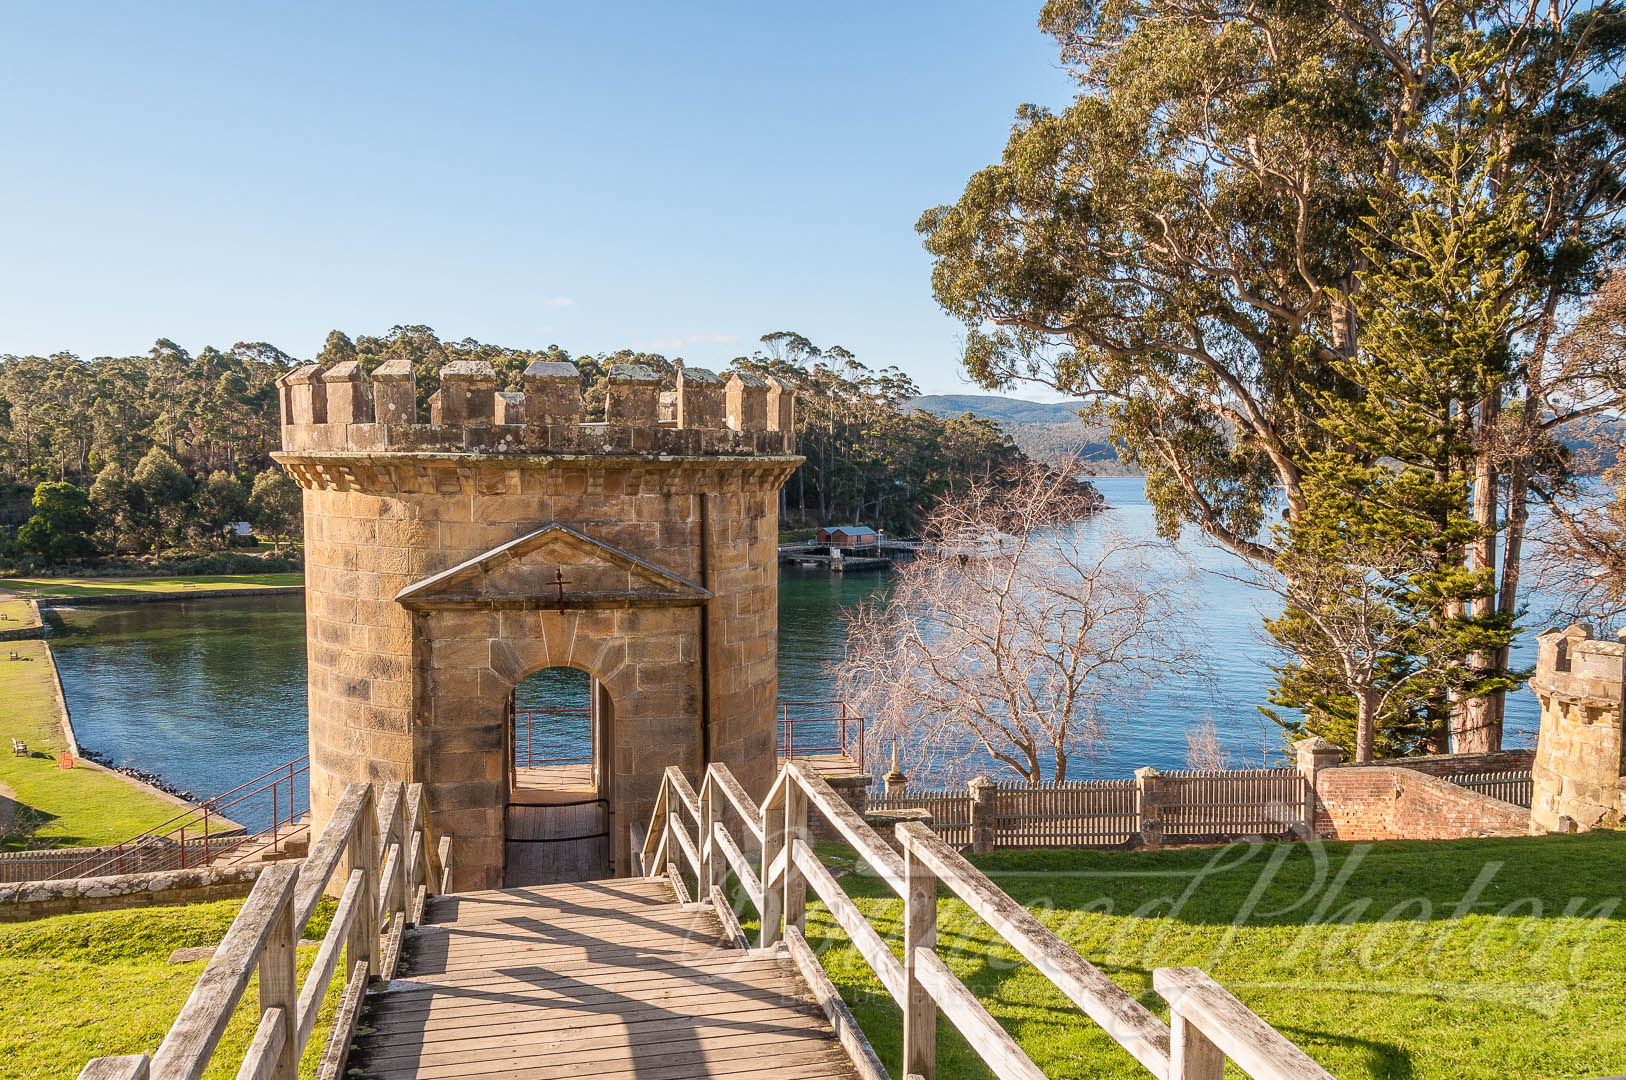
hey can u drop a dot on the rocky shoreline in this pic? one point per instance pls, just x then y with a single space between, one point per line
150 779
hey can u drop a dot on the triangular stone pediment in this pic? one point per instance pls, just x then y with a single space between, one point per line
553 567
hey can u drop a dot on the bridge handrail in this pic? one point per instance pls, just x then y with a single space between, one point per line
383 849
1210 1025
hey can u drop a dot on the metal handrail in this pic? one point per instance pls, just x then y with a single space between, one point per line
840 720
529 759
167 845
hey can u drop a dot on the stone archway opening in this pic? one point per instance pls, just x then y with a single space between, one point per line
560 753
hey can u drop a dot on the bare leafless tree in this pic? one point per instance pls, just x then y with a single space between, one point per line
1014 637
1204 749
1581 542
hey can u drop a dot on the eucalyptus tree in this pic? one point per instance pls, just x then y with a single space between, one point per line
1180 243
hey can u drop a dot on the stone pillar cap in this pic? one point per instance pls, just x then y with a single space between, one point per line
552 369
783 383
698 375
982 782
346 371
468 369
631 373
513 397
748 378
391 370
1317 743
304 373
1578 631
1146 771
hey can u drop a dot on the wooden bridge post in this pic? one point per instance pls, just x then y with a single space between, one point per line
712 869
279 987
919 932
795 830
363 856
1191 1055
773 844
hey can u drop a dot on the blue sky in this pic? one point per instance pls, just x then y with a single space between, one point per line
675 177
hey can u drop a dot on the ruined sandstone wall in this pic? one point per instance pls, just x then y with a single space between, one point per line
1580 755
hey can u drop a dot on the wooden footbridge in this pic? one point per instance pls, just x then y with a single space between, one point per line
627 979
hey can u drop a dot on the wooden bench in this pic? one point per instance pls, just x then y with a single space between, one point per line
19 748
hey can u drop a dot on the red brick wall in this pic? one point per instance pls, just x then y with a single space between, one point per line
1383 802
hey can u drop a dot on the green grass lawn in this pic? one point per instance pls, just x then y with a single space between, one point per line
80 806
17 614
92 586
84 986
1447 959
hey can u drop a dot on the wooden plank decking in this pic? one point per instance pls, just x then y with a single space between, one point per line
611 980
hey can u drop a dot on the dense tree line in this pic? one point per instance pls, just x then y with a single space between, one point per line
131 455
871 458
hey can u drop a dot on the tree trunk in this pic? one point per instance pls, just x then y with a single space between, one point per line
1477 727
1366 719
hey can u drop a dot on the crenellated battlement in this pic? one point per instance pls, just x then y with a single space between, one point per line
343 408
1575 666
1579 775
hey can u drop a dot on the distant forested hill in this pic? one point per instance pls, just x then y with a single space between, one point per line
1046 432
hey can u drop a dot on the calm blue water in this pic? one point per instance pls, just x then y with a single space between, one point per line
212 693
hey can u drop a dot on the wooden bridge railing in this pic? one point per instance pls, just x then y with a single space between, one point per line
1210 1025
384 843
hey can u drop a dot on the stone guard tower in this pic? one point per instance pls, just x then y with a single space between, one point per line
447 561
1577 778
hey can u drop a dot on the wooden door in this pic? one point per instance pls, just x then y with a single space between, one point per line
547 844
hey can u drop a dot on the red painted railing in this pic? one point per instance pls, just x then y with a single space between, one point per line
820 727
527 754
195 837
805 727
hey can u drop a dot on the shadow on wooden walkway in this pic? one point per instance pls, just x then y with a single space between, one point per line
611 980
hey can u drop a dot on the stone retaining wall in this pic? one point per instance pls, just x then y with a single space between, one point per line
26 900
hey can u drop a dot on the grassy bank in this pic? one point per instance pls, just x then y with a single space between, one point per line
76 807
81 986
17 614
68 587
1451 959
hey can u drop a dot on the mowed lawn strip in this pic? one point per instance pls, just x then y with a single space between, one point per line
1454 960
85 986
180 586
17 614
80 806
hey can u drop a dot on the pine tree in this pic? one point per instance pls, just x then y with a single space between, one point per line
1391 619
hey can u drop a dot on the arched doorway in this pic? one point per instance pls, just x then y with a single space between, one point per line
558 825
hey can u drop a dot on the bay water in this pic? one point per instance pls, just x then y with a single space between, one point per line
211 693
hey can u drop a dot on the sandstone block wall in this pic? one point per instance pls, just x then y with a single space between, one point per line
1580 754
670 560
